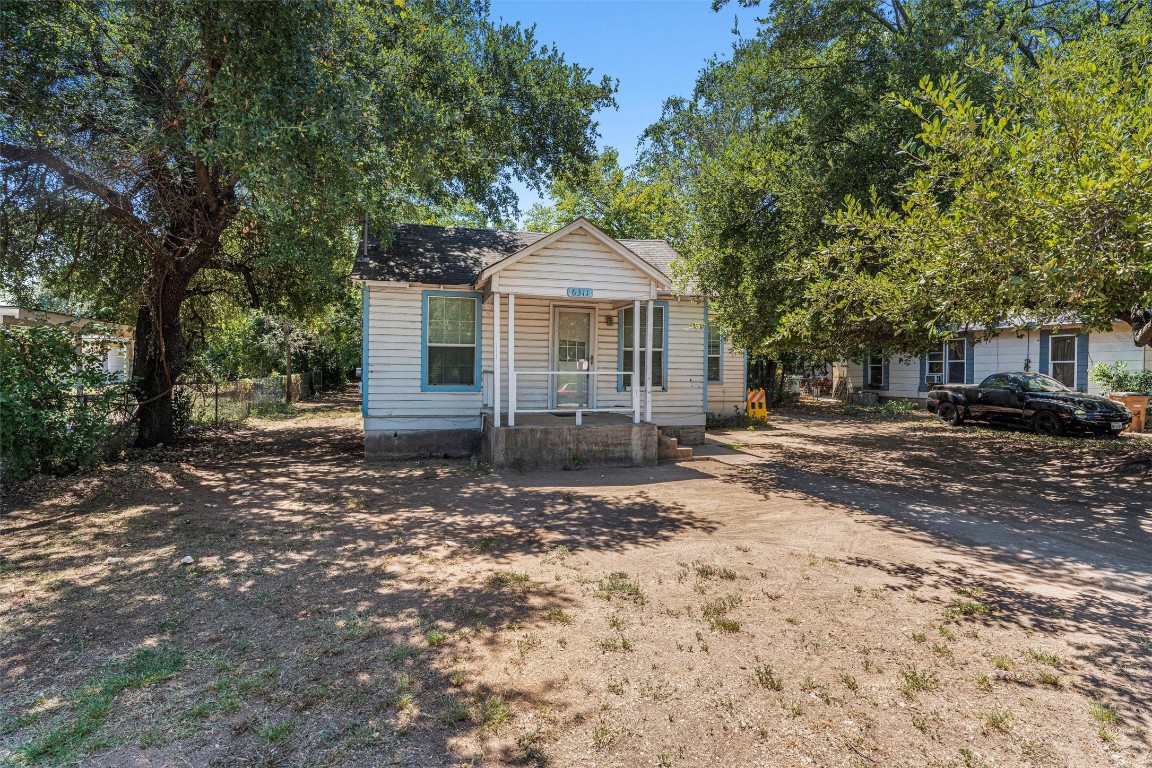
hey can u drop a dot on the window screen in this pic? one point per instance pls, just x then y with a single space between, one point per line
657 344
451 339
715 350
1063 359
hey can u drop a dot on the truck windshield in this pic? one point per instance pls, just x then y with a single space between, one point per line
1043 384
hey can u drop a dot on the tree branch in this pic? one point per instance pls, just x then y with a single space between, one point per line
117 206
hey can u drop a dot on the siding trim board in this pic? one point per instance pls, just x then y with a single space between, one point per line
365 292
1082 362
477 365
969 358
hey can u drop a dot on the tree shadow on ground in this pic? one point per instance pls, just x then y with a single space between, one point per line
1061 547
336 575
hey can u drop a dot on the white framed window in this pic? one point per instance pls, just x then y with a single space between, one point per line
451 341
947 361
1062 359
715 356
874 371
659 339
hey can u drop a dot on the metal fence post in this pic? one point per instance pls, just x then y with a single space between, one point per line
216 402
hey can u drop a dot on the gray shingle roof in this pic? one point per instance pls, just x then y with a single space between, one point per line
423 253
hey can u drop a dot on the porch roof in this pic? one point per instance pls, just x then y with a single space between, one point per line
423 253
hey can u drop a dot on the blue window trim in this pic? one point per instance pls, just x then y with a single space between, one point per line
424 385
364 352
969 357
707 340
1081 376
620 345
1082 362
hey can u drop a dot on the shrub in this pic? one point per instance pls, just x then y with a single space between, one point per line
738 419
44 425
1116 377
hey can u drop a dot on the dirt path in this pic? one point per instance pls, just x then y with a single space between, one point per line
809 608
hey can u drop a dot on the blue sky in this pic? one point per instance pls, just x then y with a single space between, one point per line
654 47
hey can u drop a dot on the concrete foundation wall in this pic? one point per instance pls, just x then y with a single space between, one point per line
685 435
423 444
523 448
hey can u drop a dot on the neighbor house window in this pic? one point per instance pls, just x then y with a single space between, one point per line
715 353
451 341
947 361
874 371
1062 354
659 366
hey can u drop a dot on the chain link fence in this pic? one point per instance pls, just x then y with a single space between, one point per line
221 402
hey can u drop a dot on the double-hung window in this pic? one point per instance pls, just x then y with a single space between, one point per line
451 341
874 371
658 338
715 355
948 360
1062 356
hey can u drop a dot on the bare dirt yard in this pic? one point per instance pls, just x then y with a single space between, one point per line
834 590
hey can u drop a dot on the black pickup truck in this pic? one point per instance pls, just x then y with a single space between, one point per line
1045 404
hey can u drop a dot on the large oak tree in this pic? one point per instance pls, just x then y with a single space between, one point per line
181 146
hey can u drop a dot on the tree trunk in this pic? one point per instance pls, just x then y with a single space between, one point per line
288 364
161 356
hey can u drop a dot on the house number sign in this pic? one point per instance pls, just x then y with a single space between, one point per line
580 293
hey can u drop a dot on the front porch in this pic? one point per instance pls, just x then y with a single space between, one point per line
555 441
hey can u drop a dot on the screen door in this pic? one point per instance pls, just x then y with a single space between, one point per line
573 352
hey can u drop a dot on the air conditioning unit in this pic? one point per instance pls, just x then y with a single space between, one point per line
934 378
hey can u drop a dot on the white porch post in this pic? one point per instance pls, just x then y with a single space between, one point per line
648 368
511 359
635 379
496 359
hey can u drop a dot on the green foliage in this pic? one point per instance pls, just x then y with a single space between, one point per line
617 201
43 425
1116 377
1032 208
775 140
93 703
186 162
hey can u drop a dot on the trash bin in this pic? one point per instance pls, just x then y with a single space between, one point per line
1137 402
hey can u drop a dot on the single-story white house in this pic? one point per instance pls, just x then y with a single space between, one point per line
1065 352
524 347
113 340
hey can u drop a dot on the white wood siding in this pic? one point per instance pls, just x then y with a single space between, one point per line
394 372
1015 352
681 402
731 392
576 260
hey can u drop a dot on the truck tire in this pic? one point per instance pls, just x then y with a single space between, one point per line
1047 423
949 414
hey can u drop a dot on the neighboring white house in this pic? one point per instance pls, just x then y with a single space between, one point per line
113 339
471 331
1065 352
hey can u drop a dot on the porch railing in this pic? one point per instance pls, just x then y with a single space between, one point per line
579 410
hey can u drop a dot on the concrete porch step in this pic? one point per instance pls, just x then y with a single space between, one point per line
669 449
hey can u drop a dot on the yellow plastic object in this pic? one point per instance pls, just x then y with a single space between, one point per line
757 404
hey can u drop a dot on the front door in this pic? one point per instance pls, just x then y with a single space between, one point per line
572 352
